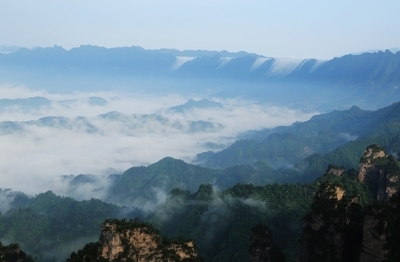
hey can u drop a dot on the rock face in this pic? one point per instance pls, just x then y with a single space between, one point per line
338 228
333 228
260 244
140 242
337 171
373 239
381 236
379 172
135 241
262 248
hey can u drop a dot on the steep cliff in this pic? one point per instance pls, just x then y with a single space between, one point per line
338 228
374 238
381 231
262 248
333 228
133 240
380 172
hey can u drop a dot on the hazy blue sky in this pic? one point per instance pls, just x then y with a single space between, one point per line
320 29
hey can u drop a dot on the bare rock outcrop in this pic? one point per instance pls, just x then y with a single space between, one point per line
373 239
122 240
380 172
140 242
335 170
333 228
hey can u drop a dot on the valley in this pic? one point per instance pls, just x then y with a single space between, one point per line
215 147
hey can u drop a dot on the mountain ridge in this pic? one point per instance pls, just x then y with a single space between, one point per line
321 134
349 69
368 80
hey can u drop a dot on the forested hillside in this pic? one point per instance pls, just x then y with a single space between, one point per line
287 145
218 208
50 227
219 221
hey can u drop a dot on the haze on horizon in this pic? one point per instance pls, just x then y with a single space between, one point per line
295 29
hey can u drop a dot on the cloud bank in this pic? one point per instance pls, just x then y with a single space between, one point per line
95 132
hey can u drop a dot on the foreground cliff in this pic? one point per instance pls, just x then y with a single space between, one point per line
338 228
380 172
262 248
333 228
122 240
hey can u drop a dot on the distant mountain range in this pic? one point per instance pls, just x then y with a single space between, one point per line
368 80
367 68
393 50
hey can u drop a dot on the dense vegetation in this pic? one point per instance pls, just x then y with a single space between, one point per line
51 226
219 221
287 145
219 207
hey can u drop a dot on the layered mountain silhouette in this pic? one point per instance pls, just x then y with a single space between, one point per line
371 68
369 78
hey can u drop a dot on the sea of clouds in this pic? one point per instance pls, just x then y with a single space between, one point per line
73 135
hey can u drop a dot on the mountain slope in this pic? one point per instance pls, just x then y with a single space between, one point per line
51 226
287 145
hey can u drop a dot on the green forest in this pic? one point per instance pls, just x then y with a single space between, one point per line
218 205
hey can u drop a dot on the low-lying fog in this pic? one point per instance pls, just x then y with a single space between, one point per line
45 135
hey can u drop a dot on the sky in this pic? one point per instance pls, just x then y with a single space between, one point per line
294 29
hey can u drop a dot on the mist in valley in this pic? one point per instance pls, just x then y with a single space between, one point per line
50 135
202 119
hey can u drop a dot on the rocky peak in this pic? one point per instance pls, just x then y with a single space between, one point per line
132 240
380 172
330 192
335 170
368 161
333 228
141 242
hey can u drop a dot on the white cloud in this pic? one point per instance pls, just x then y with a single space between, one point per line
259 62
282 66
181 60
143 132
223 61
